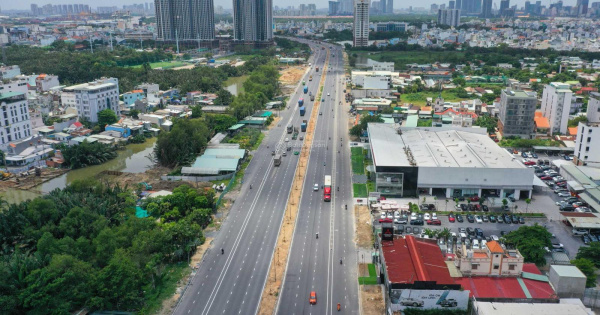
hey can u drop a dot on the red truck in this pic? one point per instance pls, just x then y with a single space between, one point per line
327 189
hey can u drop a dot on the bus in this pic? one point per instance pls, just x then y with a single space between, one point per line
327 188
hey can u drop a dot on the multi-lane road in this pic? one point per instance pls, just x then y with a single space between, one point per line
326 265
232 283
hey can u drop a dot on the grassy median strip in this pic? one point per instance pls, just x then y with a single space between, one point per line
284 241
358 160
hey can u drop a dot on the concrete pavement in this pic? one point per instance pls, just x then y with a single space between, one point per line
232 283
314 264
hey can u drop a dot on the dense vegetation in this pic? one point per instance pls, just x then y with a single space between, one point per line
515 142
361 127
181 145
83 247
530 241
86 154
78 67
261 86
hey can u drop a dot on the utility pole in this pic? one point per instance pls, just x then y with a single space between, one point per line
111 44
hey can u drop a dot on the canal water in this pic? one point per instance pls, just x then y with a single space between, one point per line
235 85
133 159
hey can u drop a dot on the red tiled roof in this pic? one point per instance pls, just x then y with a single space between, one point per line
409 259
78 124
473 115
507 287
572 131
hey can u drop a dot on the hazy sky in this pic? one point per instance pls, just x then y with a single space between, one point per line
24 4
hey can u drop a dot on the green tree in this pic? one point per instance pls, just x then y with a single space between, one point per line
120 284
530 241
575 121
187 138
106 117
588 268
591 253
134 113
196 111
86 154
528 202
64 285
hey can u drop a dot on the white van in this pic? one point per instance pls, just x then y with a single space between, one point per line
475 244
494 238
483 244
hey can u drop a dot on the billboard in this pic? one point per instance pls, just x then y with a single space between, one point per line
429 299
387 231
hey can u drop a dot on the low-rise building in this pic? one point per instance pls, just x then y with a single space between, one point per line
9 72
371 103
491 260
45 82
451 161
93 97
129 98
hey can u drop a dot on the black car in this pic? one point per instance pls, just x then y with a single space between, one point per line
502 233
431 207
463 207
500 219
586 239
416 222
521 220
479 232
567 208
485 208
507 218
511 198
493 218
515 219
470 218
470 207
470 231
459 218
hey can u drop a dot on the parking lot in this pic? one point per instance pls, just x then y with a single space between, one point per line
543 201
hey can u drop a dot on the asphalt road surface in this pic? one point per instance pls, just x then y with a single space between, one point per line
314 264
232 283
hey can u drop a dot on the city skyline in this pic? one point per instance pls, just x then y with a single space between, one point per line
228 4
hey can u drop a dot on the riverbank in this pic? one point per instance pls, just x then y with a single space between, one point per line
133 159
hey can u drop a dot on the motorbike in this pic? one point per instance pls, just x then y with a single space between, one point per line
222 251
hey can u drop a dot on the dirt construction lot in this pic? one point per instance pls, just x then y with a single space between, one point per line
372 300
289 78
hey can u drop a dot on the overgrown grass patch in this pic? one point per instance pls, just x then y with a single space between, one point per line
360 190
358 160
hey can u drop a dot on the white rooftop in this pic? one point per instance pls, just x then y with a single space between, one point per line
437 147
493 308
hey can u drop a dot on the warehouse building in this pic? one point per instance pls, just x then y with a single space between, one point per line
446 161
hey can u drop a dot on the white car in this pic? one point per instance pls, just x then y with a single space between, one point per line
383 216
397 215
287 139
426 216
434 216
390 215
413 216
327 94
580 232
564 194
478 219
316 187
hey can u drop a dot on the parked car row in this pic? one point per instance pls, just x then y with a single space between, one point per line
471 207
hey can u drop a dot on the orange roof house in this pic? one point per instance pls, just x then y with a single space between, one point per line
572 131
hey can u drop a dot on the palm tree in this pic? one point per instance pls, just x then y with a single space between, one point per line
445 234
431 233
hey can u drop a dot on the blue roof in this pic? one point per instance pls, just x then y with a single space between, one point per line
141 213
223 153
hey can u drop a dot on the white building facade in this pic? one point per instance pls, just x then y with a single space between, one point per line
556 104
14 118
93 97
587 143
9 72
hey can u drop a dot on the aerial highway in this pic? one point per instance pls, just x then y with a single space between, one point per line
233 272
326 265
